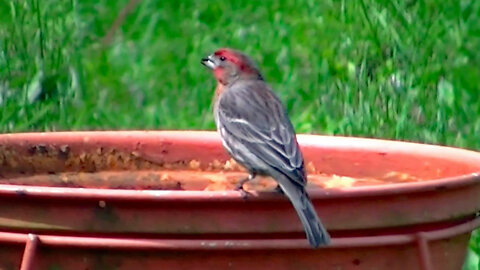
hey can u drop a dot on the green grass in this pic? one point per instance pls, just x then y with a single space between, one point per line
407 70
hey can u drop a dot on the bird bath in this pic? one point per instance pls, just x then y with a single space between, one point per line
164 199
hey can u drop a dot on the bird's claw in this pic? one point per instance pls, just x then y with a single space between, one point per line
279 190
243 193
238 186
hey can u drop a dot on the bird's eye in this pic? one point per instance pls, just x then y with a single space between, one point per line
222 58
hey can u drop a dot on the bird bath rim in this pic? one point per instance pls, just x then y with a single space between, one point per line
207 137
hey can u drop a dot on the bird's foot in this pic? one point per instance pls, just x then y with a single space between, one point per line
244 194
279 190
239 186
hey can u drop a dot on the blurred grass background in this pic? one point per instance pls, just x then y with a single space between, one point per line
397 69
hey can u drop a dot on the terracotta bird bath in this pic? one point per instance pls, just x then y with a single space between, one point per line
164 200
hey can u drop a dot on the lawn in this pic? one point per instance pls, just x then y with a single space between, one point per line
397 69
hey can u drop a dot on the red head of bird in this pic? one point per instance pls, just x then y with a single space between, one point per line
229 65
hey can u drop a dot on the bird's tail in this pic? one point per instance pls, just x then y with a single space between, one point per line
317 235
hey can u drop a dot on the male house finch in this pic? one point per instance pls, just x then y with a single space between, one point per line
258 134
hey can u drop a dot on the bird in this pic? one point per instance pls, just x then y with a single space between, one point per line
257 133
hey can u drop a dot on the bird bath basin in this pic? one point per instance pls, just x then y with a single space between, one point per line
164 199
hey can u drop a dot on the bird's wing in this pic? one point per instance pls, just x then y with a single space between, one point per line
253 116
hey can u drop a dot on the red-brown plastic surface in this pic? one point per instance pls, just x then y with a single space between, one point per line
449 194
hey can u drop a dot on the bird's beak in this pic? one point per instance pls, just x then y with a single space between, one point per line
209 62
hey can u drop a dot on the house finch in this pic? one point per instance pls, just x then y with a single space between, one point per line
258 134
